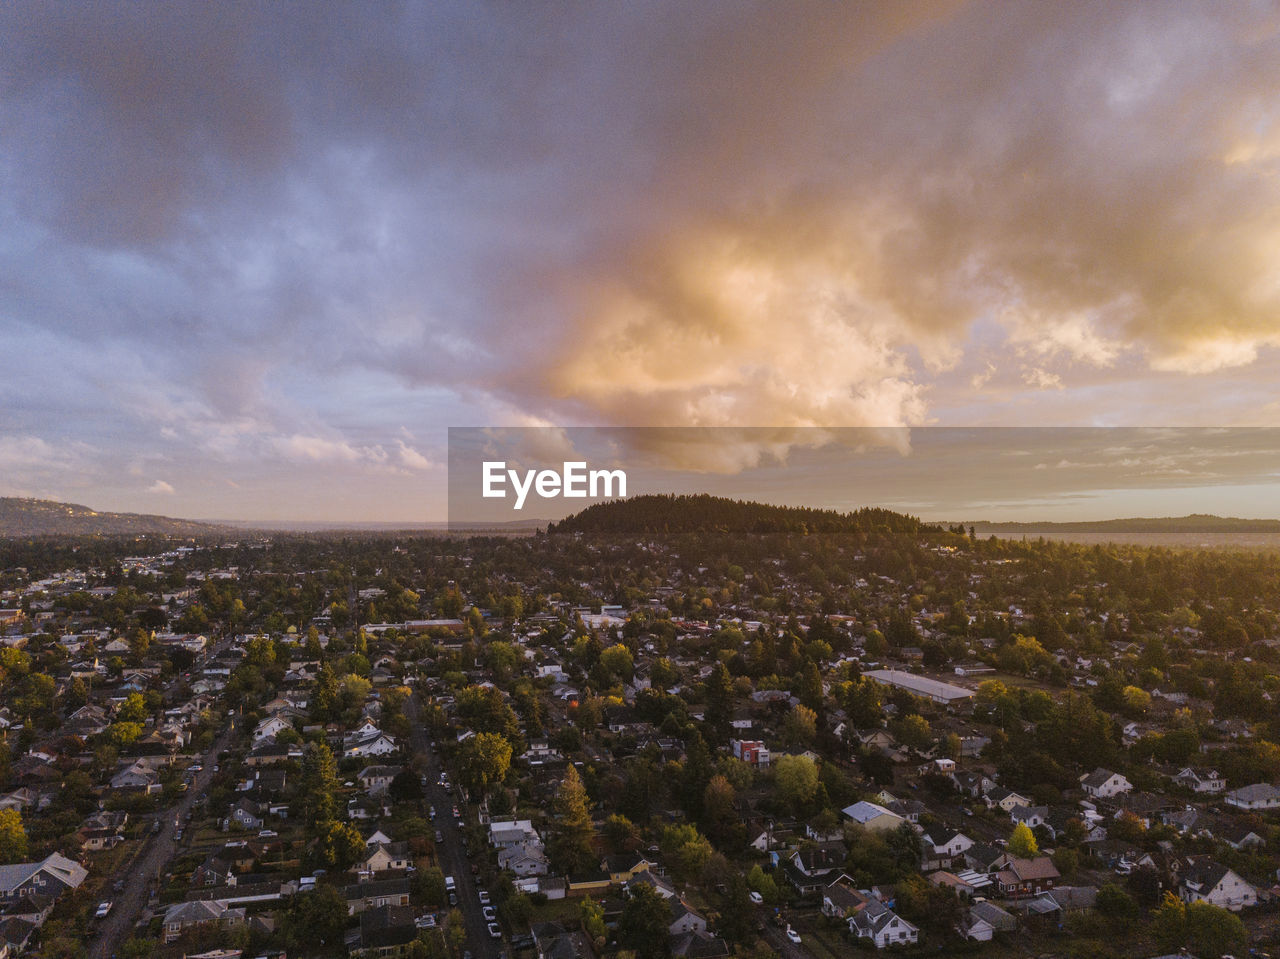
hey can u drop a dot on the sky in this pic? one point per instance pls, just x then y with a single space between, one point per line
256 259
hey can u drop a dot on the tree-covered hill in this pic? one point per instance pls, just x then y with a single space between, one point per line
705 513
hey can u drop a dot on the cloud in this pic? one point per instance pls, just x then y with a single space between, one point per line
160 486
258 241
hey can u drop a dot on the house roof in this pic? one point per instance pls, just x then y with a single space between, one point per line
1099 777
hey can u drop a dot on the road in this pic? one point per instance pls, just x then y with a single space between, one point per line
158 849
453 857
783 946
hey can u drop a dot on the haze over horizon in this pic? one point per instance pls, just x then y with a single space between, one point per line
255 259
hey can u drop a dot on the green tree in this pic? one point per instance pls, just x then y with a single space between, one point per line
339 845
760 881
796 780
13 837
122 735
571 847
642 927
801 726
1213 931
618 662
591 915
483 760
1114 903
621 834
133 709
685 850
1022 842
318 784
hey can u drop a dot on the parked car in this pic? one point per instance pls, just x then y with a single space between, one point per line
483 896
490 914
495 930
793 935
756 898
103 908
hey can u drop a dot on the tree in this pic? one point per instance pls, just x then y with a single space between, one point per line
760 881
591 914
133 709
339 845
618 662
484 760
1213 931
1114 903
642 927
796 779
1022 842
571 847
314 920
719 703
621 834
1136 701
801 726
13 837
686 851
121 735
318 785
913 731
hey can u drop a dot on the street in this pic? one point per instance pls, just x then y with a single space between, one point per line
158 849
453 858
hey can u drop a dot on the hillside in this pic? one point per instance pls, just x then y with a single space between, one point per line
703 513
39 517
1195 523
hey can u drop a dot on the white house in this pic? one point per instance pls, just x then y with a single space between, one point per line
1102 783
1211 882
880 924
1201 780
1256 796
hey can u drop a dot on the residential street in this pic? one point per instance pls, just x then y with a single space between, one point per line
454 860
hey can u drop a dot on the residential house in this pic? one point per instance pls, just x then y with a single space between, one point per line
1027 877
873 816
751 751
684 918
1205 781
379 892
1005 799
882 926
1256 796
385 857
385 932
1212 882
941 848
51 876
183 916
1102 783
376 780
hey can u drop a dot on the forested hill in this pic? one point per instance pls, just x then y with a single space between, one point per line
704 513
1195 523
42 517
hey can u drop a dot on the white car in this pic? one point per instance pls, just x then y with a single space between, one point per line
490 914
483 896
495 930
756 898
103 909
793 935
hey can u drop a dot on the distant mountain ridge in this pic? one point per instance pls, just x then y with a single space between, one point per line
1193 523
705 513
42 517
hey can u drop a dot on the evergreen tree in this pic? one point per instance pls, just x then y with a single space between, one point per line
572 848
